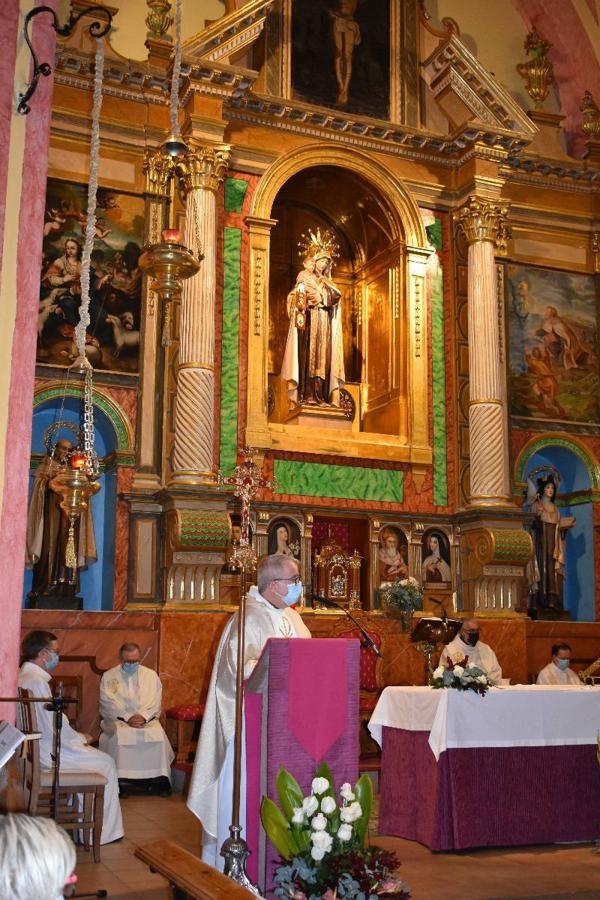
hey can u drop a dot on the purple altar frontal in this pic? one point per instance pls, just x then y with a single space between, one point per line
301 708
487 796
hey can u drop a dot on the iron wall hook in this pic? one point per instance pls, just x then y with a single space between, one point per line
97 29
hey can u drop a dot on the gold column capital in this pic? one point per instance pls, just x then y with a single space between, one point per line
203 168
159 18
158 169
483 220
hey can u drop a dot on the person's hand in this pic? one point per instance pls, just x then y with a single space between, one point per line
136 721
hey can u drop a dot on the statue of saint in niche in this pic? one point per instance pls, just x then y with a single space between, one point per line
549 535
48 529
313 362
346 36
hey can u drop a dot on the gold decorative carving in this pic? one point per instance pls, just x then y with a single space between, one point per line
159 19
258 290
418 297
537 71
596 250
590 124
203 168
500 281
158 168
482 220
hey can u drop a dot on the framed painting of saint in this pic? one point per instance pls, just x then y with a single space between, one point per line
392 554
341 55
284 538
113 337
435 565
553 334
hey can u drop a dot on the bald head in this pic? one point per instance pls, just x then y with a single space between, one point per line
469 632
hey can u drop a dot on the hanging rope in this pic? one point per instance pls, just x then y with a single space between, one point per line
90 225
174 103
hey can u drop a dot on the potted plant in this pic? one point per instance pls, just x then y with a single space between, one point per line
321 842
402 598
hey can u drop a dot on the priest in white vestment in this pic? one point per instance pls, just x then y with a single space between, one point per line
268 615
130 707
40 652
467 643
558 670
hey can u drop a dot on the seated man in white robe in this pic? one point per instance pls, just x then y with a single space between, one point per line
130 707
467 643
40 652
558 670
268 615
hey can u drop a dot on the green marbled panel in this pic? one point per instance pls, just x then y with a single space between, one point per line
440 475
346 482
235 191
232 245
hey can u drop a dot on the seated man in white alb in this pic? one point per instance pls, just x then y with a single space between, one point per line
130 705
40 652
558 671
467 643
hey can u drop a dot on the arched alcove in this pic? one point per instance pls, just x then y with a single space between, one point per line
578 476
382 271
97 581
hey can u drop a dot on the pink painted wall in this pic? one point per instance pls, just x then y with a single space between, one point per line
27 244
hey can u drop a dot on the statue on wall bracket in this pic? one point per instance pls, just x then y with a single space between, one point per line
313 362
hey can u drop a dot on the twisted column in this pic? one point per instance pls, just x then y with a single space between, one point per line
200 173
483 224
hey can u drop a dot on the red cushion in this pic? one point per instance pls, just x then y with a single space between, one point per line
368 660
193 712
367 704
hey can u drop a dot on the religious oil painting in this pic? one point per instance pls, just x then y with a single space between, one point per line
284 538
435 564
113 336
392 554
341 55
553 344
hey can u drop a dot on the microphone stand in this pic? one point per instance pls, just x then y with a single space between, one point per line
367 640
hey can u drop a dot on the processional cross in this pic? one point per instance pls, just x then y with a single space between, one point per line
247 481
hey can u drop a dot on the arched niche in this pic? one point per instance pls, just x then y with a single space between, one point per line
383 260
579 474
113 444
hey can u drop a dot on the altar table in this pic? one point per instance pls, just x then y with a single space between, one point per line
517 766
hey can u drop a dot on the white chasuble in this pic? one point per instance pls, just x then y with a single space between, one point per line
551 674
138 752
212 779
480 655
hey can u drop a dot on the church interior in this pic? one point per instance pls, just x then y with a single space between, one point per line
340 267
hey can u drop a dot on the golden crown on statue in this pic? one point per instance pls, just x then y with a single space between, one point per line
318 244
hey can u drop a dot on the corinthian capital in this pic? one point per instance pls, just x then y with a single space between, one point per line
482 220
203 167
158 168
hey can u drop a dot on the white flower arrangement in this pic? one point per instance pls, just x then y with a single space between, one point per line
460 674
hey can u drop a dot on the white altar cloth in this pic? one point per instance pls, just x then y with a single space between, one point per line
517 716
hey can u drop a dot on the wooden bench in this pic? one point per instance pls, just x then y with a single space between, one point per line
187 875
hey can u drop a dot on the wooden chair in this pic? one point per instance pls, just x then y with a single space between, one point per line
188 876
186 747
73 690
72 815
371 684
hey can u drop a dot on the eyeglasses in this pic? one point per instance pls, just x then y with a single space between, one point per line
295 579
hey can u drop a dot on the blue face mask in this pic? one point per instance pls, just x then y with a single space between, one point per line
294 592
53 661
130 668
562 663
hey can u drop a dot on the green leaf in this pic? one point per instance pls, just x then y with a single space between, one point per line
364 794
289 793
277 828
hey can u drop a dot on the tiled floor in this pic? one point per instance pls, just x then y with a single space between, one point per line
553 873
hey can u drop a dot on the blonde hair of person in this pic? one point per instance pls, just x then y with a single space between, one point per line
36 858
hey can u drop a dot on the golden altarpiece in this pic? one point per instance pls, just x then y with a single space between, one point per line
409 188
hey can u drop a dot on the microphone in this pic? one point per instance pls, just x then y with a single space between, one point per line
367 639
